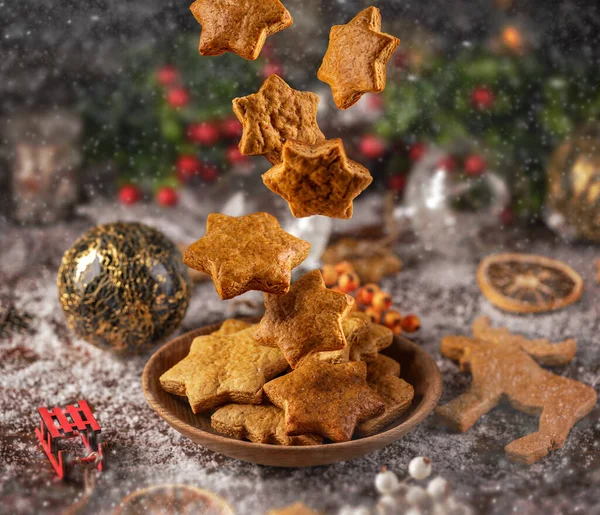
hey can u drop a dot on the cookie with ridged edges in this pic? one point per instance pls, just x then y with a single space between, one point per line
318 179
259 424
306 320
246 253
275 114
325 399
239 26
355 61
222 369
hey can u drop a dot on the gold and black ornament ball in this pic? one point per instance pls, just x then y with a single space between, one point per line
573 198
123 287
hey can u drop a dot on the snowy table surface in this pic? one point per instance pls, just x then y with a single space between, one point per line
51 368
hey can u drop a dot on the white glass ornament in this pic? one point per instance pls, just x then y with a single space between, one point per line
435 204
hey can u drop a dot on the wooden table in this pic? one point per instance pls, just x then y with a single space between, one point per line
50 368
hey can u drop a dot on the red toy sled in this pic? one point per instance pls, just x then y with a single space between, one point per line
76 420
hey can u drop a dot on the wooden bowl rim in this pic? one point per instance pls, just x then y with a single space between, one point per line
425 407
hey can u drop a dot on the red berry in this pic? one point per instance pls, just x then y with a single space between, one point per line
401 59
416 151
187 167
130 194
210 173
231 127
167 196
397 183
272 68
178 97
167 75
234 156
375 102
447 163
475 165
203 133
482 98
372 147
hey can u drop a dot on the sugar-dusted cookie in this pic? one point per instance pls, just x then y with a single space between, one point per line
355 328
298 508
318 179
397 395
232 326
221 369
382 366
240 27
502 364
306 320
245 253
325 399
356 57
275 114
259 424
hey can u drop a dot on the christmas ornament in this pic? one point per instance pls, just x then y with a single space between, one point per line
573 198
162 499
372 147
526 283
178 97
75 420
130 194
231 127
482 98
204 133
450 211
167 196
188 166
167 75
123 287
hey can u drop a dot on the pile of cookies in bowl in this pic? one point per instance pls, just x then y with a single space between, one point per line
310 371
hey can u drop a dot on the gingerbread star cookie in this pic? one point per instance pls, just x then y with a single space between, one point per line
355 328
259 424
306 320
397 395
325 399
318 179
356 57
275 114
240 26
221 369
232 326
247 253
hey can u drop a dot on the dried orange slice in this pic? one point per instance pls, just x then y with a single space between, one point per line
526 283
180 499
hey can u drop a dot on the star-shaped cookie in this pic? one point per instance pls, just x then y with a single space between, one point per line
259 424
318 179
354 63
325 399
306 320
275 114
250 252
221 369
239 26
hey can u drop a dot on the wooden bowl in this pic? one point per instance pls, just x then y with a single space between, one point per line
418 368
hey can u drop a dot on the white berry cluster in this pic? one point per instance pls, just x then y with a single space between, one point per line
407 498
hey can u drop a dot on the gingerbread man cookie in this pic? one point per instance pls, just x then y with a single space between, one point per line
502 364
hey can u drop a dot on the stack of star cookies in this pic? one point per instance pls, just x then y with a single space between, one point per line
310 370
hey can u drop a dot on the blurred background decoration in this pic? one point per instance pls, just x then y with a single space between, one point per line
509 80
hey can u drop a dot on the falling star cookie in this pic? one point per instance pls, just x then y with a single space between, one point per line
240 26
354 63
306 320
318 179
274 115
246 253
